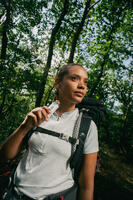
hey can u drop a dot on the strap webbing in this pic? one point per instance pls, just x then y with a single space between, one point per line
56 134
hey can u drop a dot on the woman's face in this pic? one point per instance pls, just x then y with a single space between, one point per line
73 87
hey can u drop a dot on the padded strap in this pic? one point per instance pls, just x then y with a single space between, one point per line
84 125
76 158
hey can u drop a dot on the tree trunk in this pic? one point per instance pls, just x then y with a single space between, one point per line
78 31
5 29
50 53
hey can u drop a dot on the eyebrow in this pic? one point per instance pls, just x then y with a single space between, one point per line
78 76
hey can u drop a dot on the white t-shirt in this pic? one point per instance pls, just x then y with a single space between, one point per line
43 170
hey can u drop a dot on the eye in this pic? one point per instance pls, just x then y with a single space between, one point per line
86 82
74 78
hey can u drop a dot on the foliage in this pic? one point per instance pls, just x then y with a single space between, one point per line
103 47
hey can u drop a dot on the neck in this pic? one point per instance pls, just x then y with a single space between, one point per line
65 107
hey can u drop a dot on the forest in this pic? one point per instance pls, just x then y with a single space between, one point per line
37 37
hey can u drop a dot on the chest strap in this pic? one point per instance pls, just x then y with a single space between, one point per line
61 136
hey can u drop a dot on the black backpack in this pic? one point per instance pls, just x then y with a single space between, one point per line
90 109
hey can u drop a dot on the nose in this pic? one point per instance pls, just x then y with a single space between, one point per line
81 85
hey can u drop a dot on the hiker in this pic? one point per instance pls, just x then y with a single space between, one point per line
43 172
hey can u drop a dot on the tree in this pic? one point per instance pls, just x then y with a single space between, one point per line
43 36
6 8
50 53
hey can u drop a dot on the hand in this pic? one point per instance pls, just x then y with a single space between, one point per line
36 116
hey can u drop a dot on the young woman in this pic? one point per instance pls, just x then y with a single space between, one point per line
43 170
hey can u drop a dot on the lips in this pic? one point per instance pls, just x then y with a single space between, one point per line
78 93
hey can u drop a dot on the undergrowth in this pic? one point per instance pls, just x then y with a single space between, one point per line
114 178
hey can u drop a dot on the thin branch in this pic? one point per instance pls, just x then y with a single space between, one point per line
94 4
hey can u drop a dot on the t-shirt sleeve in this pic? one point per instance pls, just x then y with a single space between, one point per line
91 142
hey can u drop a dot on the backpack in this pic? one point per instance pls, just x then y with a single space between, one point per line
90 109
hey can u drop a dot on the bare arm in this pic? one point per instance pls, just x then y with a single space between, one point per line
86 179
14 142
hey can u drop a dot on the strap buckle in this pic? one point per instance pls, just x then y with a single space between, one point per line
77 142
64 137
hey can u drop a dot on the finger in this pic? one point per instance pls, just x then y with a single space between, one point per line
36 109
45 114
38 114
32 119
47 109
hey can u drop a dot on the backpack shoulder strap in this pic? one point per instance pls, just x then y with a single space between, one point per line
76 158
84 124
61 136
